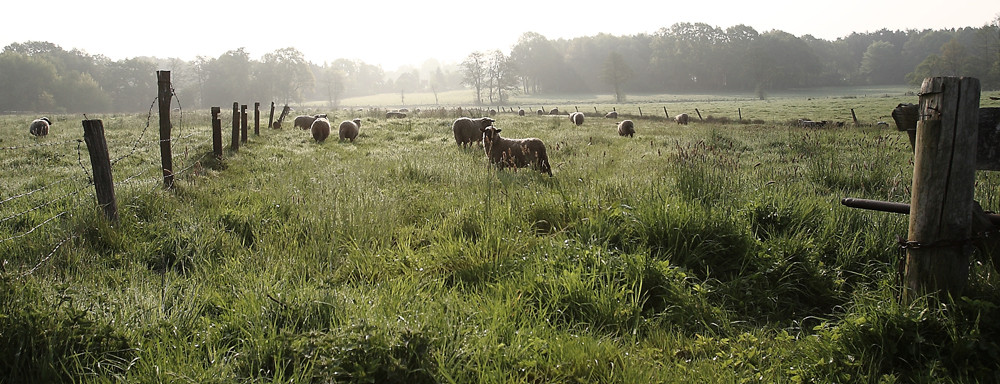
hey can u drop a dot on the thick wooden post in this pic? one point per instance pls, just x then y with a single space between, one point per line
235 144
699 114
938 242
163 98
256 118
270 117
243 123
104 185
216 132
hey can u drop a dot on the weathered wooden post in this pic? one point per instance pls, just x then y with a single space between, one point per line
938 243
235 144
667 115
699 114
256 118
163 98
854 117
104 185
243 123
216 132
270 117
740 112
640 111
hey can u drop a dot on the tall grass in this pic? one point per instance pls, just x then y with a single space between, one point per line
714 252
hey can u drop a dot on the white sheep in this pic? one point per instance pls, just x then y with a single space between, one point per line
611 115
320 128
517 153
40 126
626 128
576 118
468 131
305 121
540 112
349 129
681 119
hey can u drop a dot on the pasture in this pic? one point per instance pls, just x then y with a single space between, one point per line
714 252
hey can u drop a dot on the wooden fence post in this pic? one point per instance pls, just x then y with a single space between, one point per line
270 117
938 243
235 144
854 117
665 112
104 185
256 118
640 111
699 114
163 98
740 111
216 132
243 123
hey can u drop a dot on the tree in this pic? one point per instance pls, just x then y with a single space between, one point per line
285 75
331 82
539 62
953 58
438 82
616 73
474 73
878 65
407 81
26 82
501 77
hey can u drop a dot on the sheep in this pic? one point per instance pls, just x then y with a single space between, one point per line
320 129
349 129
681 119
395 114
540 112
40 126
520 112
576 118
626 128
468 131
554 111
305 121
611 115
519 153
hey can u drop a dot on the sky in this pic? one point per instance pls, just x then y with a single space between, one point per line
408 33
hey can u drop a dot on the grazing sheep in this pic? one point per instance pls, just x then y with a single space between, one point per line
576 118
320 129
468 131
349 129
520 112
540 112
305 121
626 128
681 119
554 111
611 115
395 114
518 153
40 126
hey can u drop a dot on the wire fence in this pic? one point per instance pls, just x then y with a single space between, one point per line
36 206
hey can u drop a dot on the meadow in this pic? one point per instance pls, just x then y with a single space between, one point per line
715 252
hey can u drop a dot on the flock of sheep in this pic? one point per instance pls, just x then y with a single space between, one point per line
501 152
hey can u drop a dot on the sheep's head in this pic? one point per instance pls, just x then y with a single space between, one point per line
490 134
46 120
486 122
358 122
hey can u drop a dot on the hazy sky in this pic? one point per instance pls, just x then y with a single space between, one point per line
394 33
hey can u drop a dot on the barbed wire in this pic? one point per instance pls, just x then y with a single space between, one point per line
2 202
39 145
79 160
33 228
50 202
47 257
135 145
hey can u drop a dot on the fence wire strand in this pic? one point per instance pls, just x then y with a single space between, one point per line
50 202
38 145
29 193
33 228
47 257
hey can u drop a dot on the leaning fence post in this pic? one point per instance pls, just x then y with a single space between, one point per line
235 144
938 242
163 98
216 133
104 185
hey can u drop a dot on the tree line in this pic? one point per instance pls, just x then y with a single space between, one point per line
685 57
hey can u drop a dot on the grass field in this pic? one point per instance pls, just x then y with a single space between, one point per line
715 252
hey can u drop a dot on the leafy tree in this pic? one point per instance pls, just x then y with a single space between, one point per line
474 73
953 58
878 64
501 77
539 62
332 84
284 75
616 74
26 82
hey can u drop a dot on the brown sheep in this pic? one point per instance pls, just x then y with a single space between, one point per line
626 128
681 119
40 126
518 153
576 118
468 131
611 115
349 129
320 129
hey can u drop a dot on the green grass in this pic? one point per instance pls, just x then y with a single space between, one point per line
713 252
